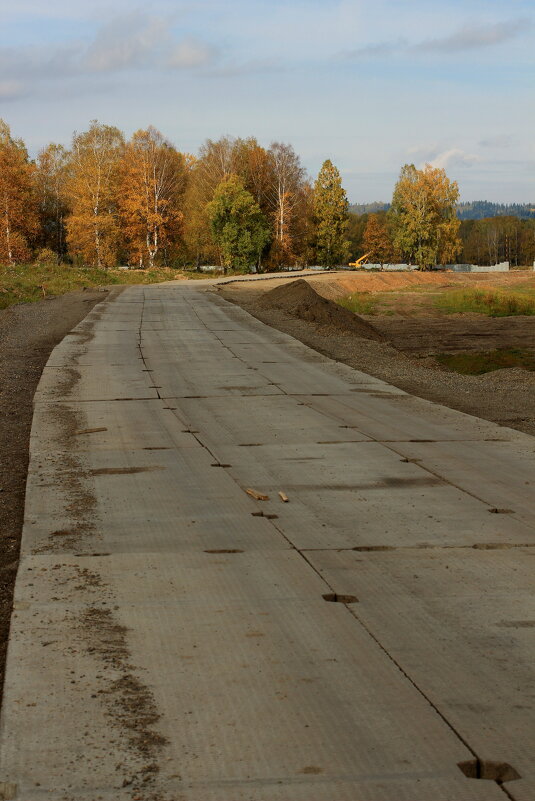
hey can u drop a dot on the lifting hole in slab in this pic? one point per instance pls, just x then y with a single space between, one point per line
499 772
224 550
335 598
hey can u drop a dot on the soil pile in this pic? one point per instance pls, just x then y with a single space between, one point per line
300 300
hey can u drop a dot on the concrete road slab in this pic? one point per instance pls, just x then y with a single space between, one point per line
107 338
183 500
252 421
253 336
177 638
277 354
295 379
461 623
191 353
388 418
231 379
95 383
253 635
102 355
357 494
122 425
500 473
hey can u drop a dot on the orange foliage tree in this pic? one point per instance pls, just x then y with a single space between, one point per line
18 204
377 241
92 225
151 196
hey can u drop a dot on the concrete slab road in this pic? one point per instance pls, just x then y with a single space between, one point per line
177 639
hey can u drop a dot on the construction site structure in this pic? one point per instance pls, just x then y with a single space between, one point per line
359 262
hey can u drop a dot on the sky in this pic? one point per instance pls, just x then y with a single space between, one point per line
370 85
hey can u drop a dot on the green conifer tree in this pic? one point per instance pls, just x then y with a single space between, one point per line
331 217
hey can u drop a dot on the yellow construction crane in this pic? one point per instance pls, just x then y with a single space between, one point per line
358 263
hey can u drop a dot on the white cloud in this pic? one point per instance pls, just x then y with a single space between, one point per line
472 37
191 53
128 41
439 156
378 50
466 38
454 157
424 153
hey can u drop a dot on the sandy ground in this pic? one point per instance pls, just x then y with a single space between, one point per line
28 333
503 396
342 283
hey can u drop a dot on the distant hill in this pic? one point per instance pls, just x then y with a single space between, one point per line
368 208
476 210
479 209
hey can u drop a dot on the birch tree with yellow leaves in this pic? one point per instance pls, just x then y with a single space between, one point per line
92 225
424 217
286 193
151 196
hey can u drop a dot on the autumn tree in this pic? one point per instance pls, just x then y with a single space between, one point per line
286 195
18 207
150 195
50 180
239 228
424 216
331 217
213 165
254 165
377 241
92 189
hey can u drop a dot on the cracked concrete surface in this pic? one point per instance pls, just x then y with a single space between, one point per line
171 639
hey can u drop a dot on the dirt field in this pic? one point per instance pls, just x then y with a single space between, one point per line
28 333
401 349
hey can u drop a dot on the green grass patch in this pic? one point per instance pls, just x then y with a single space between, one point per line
28 283
493 303
479 362
359 302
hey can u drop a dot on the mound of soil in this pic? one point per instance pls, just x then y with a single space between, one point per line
300 300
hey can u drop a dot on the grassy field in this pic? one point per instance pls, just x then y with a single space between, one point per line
430 301
493 303
28 283
361 302
479 362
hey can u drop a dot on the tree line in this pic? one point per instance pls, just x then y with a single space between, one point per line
473 210
107 200
484 242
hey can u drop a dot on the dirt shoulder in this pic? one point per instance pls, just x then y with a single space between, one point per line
506 396
28 333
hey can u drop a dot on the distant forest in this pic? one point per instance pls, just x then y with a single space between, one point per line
483 241
476 210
